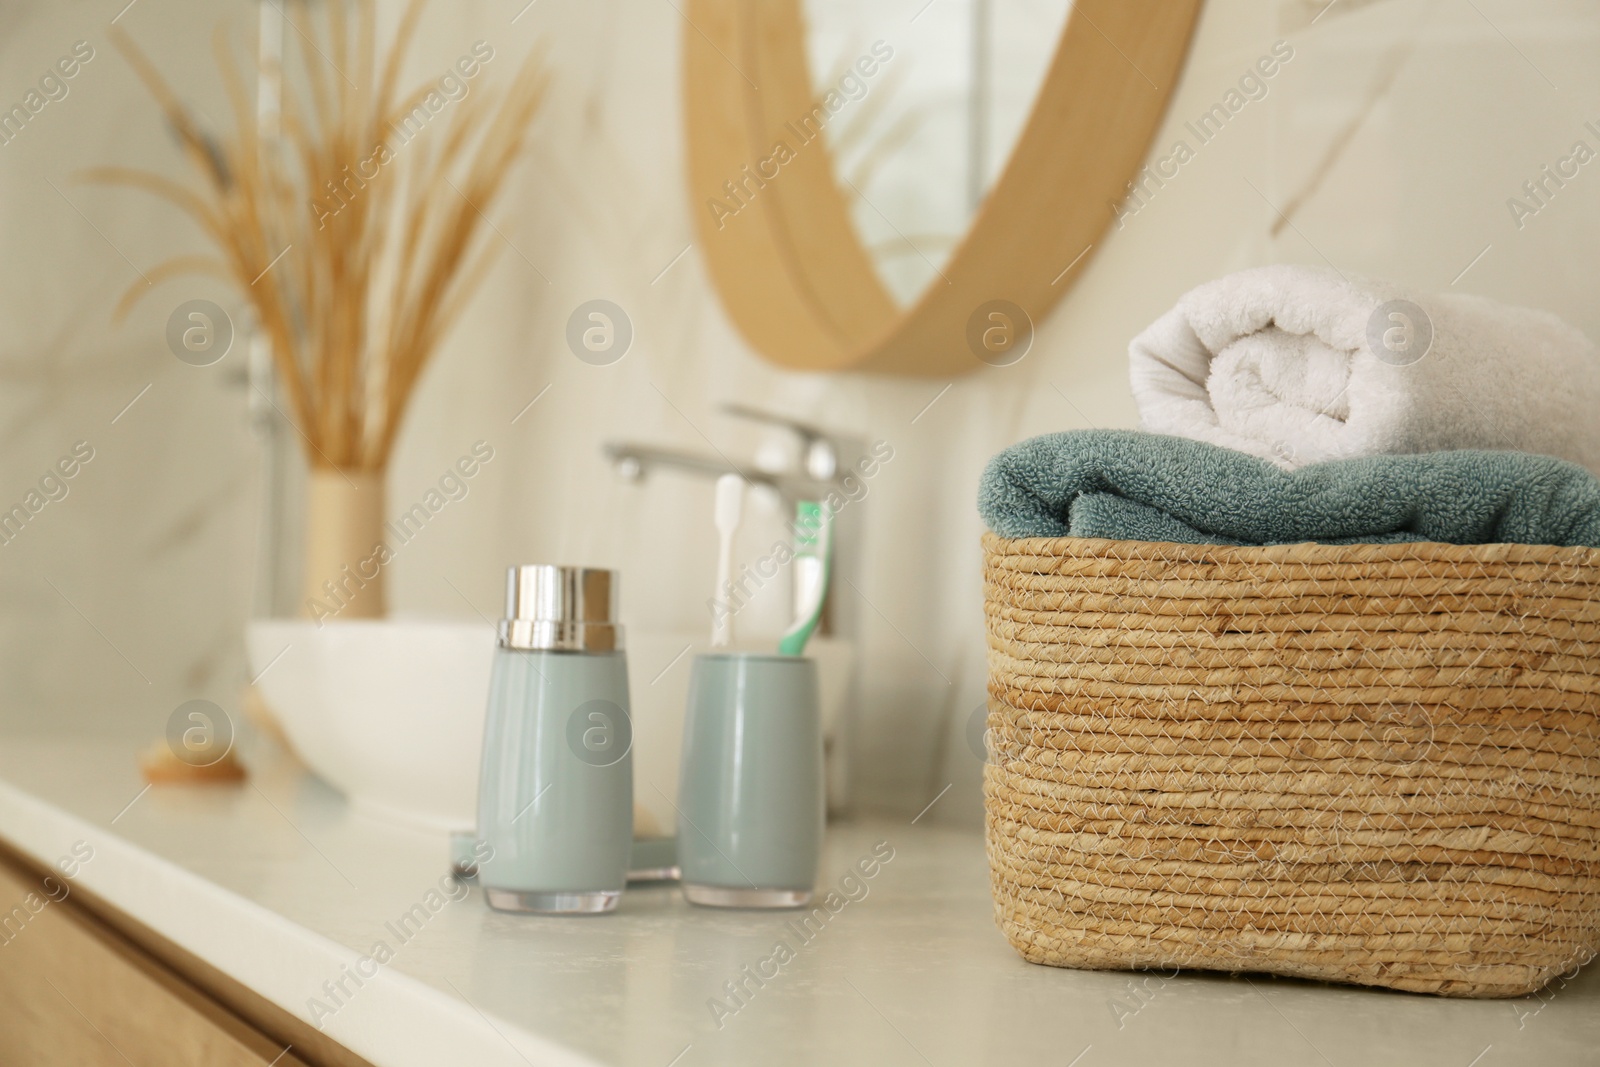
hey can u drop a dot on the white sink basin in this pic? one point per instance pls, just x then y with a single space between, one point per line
390 712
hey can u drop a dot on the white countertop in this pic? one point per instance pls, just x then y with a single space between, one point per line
280 885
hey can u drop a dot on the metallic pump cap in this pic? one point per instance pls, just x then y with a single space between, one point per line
561 609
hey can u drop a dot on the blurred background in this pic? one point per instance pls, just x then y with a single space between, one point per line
1390 145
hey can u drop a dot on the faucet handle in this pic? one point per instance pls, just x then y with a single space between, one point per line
805 431
821 449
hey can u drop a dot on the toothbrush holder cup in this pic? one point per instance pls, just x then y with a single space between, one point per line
750 794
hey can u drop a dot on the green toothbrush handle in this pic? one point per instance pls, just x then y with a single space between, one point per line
813 536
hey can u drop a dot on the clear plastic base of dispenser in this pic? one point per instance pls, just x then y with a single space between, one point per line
716 896
553 903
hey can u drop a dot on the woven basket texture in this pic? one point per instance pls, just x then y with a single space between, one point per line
1372 763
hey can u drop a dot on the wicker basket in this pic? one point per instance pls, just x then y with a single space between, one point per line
1374 763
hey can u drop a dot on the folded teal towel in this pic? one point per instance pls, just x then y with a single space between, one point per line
1146 487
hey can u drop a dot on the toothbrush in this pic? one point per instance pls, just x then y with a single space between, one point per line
729 507
813 560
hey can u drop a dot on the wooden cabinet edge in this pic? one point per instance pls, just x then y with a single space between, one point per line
262 1027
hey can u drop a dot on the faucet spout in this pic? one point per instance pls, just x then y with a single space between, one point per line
635 462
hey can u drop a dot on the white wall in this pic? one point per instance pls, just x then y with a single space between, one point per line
154 544
126 595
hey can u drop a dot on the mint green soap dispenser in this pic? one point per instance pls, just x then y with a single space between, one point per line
555 797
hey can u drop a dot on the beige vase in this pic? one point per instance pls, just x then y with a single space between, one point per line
345 552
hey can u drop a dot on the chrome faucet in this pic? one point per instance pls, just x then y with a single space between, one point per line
635 462
826 459
822 453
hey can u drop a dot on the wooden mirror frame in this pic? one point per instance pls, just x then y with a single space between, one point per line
786 258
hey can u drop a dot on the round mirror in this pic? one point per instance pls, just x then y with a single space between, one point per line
928 122
909 187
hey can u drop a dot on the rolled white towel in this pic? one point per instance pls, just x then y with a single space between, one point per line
1299 365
